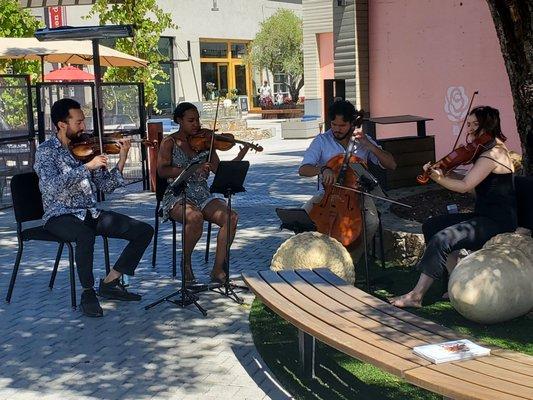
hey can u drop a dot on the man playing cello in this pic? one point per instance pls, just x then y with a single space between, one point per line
333 142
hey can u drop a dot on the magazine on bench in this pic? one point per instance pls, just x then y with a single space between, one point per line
455 350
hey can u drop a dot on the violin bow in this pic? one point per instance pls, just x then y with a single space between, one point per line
211 146
464 120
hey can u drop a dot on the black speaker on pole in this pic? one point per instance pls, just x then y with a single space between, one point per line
333 89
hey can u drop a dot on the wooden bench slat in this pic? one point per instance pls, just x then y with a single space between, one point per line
450 386
407 327
513 355
339 323
509 364
496 370
322 331
330 303
380 305
457 370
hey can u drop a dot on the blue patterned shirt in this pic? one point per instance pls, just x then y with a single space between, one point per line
67 186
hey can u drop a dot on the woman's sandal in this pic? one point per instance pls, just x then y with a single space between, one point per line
220 278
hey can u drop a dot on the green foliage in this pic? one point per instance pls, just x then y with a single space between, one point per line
278 48
17 22
149 21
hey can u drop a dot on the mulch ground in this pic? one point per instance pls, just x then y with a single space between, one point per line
432 203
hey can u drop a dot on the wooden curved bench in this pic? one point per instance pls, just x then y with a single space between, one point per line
323 306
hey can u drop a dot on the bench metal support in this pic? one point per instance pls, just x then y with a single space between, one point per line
306 346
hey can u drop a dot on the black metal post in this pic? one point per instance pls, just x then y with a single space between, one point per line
306 347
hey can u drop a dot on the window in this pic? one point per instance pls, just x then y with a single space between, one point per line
238 50
165 90
213 49
281 84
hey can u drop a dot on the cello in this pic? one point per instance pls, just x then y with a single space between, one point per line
338 214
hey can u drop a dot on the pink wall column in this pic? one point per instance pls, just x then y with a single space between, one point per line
325 59
427 57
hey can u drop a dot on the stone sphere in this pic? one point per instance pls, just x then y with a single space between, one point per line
495 283
314 250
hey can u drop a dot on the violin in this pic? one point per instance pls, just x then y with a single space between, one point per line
88 147
222 141
462 155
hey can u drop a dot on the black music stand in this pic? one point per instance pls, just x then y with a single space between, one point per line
229 179
295 219
368 186
188 296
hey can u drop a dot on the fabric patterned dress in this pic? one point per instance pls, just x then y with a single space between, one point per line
197 190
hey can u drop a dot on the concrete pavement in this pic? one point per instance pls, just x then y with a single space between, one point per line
48 351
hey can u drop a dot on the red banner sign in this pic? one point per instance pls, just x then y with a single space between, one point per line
57 17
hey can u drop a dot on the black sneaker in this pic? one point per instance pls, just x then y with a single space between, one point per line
89 304
115 290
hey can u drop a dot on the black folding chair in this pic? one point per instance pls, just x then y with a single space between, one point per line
160 188
28 206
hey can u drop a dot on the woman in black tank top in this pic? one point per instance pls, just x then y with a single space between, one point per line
491 176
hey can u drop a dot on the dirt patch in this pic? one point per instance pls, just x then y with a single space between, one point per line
432 203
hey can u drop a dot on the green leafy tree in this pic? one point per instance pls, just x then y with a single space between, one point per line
149 22
16 22
278 48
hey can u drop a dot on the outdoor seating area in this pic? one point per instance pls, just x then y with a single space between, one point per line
303 199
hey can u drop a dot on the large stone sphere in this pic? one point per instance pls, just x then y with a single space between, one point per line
314 250
495 283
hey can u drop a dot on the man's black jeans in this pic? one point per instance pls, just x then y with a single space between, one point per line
110 224
446 233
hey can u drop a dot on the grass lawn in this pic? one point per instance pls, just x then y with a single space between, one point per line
343 377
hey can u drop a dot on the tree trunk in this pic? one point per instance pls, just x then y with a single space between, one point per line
513 22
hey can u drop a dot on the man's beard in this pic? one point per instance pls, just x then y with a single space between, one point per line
342 137
73 135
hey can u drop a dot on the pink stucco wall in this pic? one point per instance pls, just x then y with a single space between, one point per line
427 57
325 58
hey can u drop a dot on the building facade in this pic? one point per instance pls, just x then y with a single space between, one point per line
398 57
207 48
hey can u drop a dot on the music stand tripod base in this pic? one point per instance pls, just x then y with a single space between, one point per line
229 180
186 296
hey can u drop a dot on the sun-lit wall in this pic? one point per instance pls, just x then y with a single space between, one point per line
427 57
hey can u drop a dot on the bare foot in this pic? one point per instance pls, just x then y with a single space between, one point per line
407 300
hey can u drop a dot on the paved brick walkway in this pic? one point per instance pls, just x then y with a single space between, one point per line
48 351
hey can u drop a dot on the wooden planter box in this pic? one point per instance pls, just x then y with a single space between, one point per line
410 153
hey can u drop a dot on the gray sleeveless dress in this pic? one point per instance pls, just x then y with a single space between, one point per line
197 190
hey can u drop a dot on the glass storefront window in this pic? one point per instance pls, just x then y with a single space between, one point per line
165 48
238 50
213 50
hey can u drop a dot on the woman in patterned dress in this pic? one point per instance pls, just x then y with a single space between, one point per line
174 155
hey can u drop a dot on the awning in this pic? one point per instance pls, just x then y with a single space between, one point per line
54 3
65 52
68 73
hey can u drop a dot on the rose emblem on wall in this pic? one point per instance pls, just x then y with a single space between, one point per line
456 106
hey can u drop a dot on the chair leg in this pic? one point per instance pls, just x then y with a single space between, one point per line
106 255
207 242
156 232
15 271
72 275
56 264
174 249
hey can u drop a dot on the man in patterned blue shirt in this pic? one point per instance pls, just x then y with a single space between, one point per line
68 188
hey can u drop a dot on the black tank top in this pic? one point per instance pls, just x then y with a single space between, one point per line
496 199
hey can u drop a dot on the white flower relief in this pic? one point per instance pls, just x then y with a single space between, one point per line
456 103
